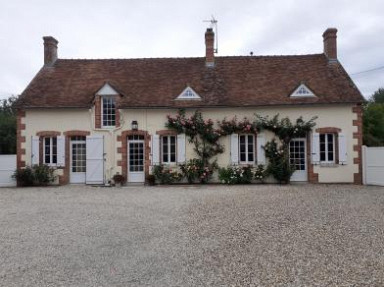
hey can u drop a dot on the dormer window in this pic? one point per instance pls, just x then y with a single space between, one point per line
106 114
108 111
188 94
302 91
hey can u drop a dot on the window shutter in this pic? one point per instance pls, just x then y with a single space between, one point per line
234 148
181 148
35 150
60 151
260 142
315 148
342 149
155 149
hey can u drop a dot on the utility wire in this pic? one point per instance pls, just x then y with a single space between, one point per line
367 71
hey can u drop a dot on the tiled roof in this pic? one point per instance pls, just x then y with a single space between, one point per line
233 81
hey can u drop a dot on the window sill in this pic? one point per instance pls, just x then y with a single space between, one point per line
328 164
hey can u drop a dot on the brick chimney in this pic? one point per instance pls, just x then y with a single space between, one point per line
209 50
50 50
330 43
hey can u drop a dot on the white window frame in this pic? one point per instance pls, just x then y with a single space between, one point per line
247 161
50 163
168 153
326 161
112 111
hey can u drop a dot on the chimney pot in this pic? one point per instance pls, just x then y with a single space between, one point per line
50 50
330 43
209 48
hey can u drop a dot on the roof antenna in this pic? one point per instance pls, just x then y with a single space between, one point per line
213 22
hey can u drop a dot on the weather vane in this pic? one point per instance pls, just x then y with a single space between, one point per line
213 22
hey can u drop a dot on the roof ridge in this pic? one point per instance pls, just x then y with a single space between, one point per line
183 58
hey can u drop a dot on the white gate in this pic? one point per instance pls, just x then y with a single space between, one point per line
95 160
7 168
373 165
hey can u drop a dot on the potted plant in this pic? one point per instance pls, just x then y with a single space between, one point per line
118 179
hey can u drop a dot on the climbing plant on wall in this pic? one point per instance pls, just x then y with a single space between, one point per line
201 133
278 154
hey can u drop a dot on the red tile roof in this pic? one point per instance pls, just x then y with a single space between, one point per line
154 83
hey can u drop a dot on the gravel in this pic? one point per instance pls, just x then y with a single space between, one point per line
256 235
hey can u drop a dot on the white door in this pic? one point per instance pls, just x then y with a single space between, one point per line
298 158
78 159
95 160
136 158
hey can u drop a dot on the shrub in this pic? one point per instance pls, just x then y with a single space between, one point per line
260 173
43 174
279 165
195 170
165 175
236 174
151 179
36 175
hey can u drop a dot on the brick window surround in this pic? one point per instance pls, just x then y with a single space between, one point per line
42 135
99 112
123 138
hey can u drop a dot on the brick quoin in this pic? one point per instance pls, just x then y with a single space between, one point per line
20 139
358 177
98 112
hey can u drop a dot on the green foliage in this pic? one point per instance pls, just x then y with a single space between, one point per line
373 120
166 175
279 165
236 174
260 173
378 96
195 169
8 126
284 129
204 137
38 175
234 126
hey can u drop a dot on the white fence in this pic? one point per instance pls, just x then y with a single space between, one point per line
7 167
373 165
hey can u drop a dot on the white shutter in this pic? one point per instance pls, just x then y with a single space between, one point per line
181 148
315 148
60 151
155 149
342 149
95 160
260 143
35 143
234 148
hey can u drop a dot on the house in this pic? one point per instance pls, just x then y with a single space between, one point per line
92 118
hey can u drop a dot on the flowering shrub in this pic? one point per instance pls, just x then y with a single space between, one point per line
228 127
236 174
166 175
195 169
279 165
260 173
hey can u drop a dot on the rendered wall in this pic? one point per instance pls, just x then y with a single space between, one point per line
153 120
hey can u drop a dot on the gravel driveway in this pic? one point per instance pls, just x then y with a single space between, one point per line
257 235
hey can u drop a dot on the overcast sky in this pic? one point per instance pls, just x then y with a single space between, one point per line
145 29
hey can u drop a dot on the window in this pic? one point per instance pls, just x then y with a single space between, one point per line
327 148
109 111
188 94
247 149
168 149
50 150
302 91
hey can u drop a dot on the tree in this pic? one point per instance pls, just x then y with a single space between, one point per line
8 126
373 120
